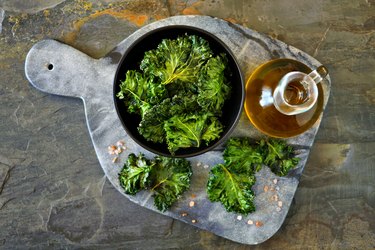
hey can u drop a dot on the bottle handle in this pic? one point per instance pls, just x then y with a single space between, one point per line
318 74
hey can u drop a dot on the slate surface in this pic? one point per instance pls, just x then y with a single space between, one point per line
58 69
53 191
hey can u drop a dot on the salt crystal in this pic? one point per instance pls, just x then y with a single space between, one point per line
274 197
258 223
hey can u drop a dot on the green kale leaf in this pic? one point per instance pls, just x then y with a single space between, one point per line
177 59
213 130
140 93
230 183
170 179
167 178
213 87
278 156
135 174
151 126
184 131
240 154
231 188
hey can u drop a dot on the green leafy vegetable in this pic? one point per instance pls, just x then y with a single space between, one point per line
230 183
232 188
184 131
177 59
135 174
171 177
139 92
213 87
278 156
152 125
179 93
242 155
166 177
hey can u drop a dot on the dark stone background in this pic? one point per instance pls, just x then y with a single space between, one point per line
53 192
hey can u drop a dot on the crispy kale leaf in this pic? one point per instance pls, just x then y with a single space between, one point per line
213 87
240 154
166 177
177 59
152 125
278 156
230 183
135 174
170 179
232 188
212 130
184 131
140 93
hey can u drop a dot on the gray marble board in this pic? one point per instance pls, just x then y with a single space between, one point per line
59 69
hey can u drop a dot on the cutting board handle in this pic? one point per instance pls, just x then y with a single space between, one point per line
57 68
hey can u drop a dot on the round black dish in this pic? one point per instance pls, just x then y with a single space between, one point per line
133 56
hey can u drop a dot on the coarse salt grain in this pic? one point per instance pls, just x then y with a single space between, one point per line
193 221
274 197
258 223
275 181
199 164
239 217
280 203
191 204
120 143
184 214
205 166
114 159
250 222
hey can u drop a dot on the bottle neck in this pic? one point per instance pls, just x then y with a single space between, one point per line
296 93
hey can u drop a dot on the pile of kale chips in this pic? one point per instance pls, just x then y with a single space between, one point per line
179 92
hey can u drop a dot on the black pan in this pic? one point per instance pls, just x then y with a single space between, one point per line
232 108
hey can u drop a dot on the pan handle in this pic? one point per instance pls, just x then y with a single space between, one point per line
59 69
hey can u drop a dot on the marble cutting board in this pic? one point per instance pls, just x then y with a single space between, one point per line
59 69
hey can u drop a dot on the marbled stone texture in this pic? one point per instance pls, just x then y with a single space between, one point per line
49 168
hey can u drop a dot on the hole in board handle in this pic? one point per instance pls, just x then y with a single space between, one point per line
49 66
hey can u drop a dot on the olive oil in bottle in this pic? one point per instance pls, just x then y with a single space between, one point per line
259 102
